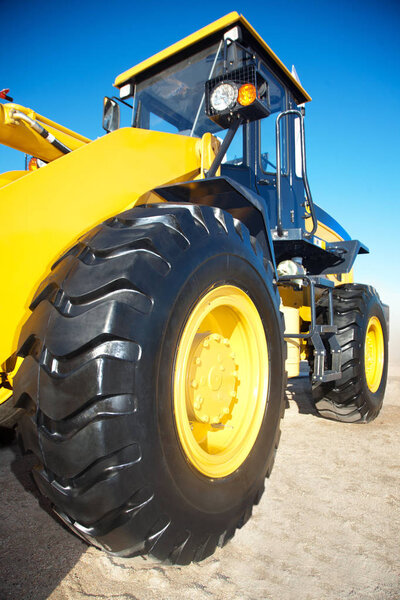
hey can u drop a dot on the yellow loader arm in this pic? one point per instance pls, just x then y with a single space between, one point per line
17 131
45 212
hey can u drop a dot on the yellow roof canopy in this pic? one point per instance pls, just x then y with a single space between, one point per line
205 37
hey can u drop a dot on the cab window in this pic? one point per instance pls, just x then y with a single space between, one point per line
277 98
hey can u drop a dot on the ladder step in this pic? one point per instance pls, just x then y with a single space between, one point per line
327 376
326 328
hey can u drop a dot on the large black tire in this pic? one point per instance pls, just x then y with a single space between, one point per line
350 398
99 352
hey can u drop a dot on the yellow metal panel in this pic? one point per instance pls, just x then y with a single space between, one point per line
324 232
292 325
43 213
10 176
344 278
231 19
305 313
19 135
292 297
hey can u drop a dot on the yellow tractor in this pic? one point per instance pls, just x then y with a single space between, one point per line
159 286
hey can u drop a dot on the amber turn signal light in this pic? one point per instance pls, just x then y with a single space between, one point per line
247 94
33 164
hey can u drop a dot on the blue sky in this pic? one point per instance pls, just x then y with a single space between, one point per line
61 57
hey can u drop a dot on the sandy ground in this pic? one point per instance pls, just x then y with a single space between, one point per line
328 526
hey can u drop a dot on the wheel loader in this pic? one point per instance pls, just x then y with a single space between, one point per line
161 283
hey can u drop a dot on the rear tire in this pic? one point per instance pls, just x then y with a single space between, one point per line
363 337
100 353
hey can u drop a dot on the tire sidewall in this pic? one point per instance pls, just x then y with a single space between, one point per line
182 489
373 308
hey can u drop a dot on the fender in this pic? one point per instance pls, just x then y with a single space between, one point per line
229 195
44 212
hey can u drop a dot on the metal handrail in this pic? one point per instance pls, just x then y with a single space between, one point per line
309 281
299 114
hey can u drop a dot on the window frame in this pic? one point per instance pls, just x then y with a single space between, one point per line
267 73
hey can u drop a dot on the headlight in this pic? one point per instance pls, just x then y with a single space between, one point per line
240 93
223 96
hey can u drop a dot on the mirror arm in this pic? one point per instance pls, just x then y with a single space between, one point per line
122 101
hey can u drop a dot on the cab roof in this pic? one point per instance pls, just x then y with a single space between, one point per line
205 37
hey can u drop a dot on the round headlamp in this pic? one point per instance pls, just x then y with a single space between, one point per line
223 96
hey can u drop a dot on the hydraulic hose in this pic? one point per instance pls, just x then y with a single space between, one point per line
49 137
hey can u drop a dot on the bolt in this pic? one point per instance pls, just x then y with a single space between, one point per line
226 342
198 361
205 418
199 400
233 355
233 394
221 368
206 344
197 405
226 411
194 384
215 420
216 337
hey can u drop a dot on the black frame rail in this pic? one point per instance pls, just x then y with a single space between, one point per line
316 332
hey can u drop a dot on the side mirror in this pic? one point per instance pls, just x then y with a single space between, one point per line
110 114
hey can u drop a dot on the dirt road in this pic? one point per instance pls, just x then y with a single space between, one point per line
327 528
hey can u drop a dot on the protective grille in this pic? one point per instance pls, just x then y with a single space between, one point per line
243 75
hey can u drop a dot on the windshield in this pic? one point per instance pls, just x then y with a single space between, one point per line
173 101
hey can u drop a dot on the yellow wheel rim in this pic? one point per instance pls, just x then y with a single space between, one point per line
374 354
221 381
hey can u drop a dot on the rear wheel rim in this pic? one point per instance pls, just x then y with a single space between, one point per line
221 381
374 354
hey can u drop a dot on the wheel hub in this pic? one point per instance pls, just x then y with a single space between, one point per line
220 381
374 354
214 379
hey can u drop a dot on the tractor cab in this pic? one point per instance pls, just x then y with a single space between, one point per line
224 80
